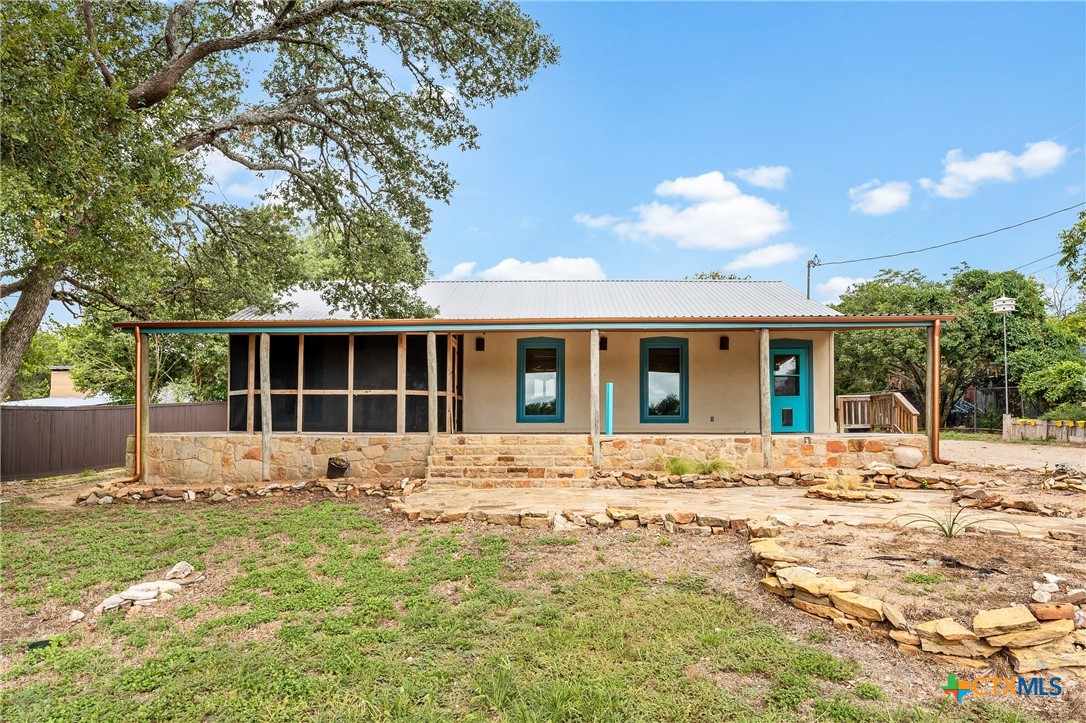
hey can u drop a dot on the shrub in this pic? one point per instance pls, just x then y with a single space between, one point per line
1070 410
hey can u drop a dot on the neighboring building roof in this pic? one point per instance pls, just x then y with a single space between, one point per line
61 402
543 300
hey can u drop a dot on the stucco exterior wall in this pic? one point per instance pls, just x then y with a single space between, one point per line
723 384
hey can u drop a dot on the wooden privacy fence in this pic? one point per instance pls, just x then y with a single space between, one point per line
46 441
883 412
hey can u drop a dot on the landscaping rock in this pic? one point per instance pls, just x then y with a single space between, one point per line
1059 654
191 579
113 602
783 519
138 595
534 523
822 611
1046 632
712 521
601 521
943 629
768 550
559 523
893 616
908 457
1041 596
158 586
763 529
904 636
858 606
75 616
618 514
503 518
105 500
181 569
987 623
1051 611
772 585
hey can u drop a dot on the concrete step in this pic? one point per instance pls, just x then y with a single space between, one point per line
573 472
459 440
507 460
506 483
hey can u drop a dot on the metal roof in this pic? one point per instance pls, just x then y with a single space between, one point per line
543 300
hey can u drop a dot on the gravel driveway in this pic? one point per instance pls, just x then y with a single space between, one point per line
1017 453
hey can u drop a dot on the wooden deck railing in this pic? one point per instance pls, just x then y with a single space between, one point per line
879 412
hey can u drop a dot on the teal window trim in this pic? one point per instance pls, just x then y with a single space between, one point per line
542 342
666 342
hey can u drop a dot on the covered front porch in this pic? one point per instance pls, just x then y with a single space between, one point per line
392 396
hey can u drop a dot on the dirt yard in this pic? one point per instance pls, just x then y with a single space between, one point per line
1016 453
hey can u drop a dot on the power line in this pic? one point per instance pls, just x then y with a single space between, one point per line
1031 263
950 243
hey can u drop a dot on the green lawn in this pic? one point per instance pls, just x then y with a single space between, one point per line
324 613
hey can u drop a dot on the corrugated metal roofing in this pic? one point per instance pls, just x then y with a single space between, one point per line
581 300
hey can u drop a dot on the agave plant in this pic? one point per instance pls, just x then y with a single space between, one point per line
950 524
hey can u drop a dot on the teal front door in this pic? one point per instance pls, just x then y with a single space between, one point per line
790 389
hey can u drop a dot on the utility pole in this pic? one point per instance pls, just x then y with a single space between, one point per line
811 263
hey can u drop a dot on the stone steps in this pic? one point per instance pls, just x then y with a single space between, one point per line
503 461
497 471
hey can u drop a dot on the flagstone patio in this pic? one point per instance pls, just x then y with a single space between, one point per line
743 503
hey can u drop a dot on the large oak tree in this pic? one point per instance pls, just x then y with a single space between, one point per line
110 112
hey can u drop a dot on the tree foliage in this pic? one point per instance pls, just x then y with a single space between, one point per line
110 113
1073 246
972 345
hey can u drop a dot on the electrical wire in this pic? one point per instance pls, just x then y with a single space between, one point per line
1031 263
951 243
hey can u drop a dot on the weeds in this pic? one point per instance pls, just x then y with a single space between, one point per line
951 524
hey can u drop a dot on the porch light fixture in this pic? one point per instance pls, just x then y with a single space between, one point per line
1005 305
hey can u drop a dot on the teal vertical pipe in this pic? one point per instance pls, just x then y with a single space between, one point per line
609 413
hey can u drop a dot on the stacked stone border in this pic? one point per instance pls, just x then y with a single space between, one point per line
1034 638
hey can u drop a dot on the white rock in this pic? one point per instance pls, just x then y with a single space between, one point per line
112 603
138 595
1046 586
105 500
559 523
1080 619
165 596
75 616
145 603
181 569
1049 577
1041 596
908 457
783 519
157 586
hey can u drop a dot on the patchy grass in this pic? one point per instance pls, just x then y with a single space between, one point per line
923 578
326 613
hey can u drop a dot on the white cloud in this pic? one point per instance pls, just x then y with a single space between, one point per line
962 175
556 267
595 221
710 213
876 198
830 291
460 271
766 256
773 177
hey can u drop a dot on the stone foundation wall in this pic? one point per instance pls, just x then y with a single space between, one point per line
745 452
219 457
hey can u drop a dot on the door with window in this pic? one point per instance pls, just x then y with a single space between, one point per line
790 389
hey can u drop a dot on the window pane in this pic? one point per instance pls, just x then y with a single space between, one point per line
239 362
785 386
665 382
238 405
326 363
283 355
375 362
324 412
416 362
540 382
418 417
785 364
375 413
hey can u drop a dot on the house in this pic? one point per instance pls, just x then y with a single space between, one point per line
62 393
532 382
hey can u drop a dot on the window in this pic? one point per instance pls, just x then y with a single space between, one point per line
664 381
541 380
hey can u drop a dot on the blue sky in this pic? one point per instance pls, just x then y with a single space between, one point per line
678 138
877 128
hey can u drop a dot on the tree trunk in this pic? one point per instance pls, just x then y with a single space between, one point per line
25 320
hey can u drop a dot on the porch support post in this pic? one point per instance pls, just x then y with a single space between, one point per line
431 383
766 414
265 407
594 393
144 401
931 396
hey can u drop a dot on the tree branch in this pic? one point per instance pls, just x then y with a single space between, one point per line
13 288
92 36
176 16
107 295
